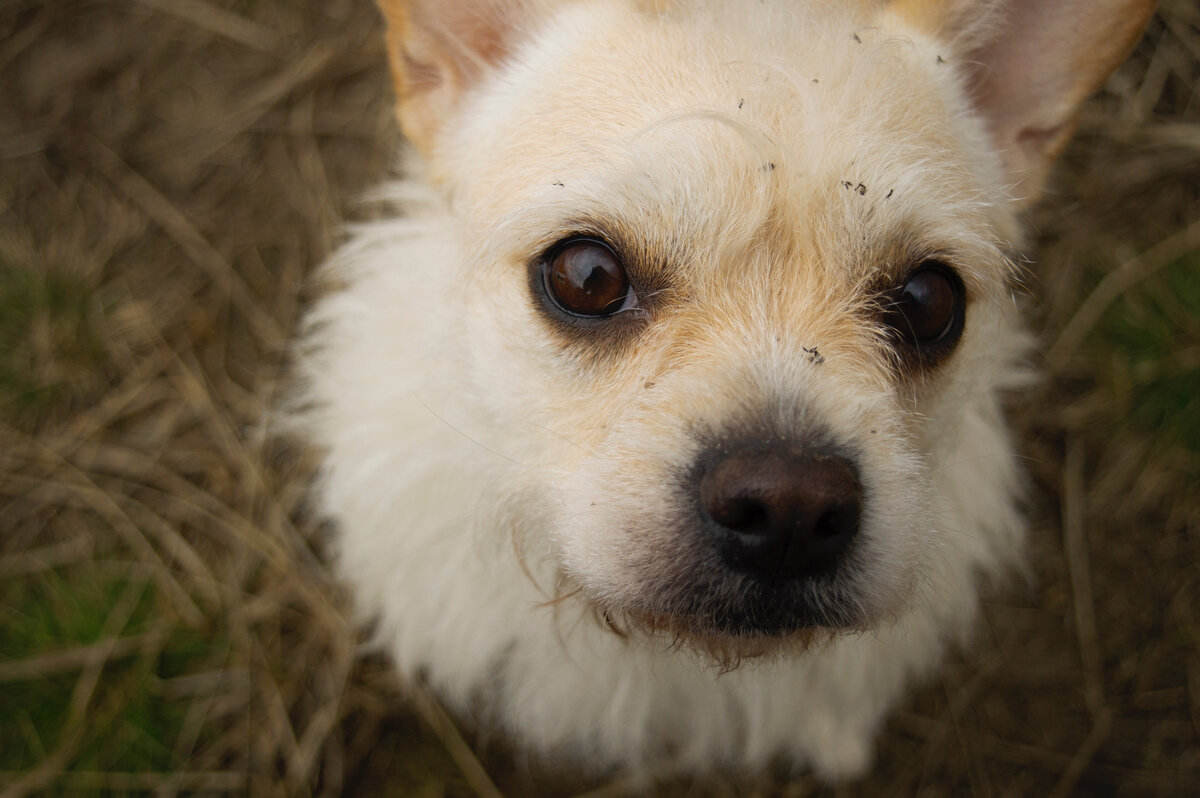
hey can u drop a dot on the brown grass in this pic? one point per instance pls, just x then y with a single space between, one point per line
171 171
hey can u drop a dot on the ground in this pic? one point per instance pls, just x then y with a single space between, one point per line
172 171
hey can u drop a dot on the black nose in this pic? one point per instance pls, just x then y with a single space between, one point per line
781 514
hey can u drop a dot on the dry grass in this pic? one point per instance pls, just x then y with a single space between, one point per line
170 173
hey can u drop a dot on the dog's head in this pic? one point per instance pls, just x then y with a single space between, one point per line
738 280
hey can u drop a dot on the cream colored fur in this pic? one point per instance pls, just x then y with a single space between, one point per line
777 158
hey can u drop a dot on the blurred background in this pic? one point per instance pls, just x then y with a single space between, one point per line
171 172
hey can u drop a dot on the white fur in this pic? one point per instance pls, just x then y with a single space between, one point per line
460 440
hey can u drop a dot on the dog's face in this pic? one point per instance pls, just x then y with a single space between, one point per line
735 275
733 297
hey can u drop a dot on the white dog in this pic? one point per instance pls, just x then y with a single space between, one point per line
663 424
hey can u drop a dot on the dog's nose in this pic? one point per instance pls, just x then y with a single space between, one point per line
781 514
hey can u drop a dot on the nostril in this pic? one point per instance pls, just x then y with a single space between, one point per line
840 520
781 512
740 513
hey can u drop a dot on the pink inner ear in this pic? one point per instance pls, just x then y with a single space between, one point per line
471 34
420 77
440 48
1027 77
1044 60
1040 139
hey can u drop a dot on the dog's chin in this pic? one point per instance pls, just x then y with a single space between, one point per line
758 624
726 646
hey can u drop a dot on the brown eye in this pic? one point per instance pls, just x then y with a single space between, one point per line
929 308
584 277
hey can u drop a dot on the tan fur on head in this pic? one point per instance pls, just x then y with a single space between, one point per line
770 184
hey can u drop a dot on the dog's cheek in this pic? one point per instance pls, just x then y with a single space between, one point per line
617 529
549 417
514 367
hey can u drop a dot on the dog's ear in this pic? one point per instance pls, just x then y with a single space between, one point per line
1032 64
439 49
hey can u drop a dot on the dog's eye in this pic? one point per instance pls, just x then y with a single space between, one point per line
585 277
928 310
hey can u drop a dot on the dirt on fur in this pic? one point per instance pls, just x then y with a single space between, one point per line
171 174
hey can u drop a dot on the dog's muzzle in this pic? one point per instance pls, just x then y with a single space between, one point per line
767 545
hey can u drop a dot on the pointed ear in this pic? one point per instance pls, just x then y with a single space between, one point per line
439 49
1032 63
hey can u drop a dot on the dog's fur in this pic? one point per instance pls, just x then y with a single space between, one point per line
515 489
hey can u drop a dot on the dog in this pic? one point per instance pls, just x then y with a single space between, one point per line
662 422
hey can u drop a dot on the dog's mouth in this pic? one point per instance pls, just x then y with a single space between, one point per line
727 643
728 617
